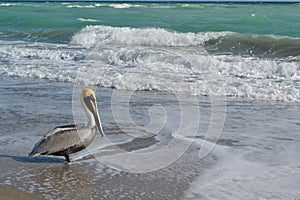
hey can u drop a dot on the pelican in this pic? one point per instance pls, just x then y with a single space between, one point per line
65 140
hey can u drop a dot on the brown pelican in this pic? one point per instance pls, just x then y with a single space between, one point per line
65 140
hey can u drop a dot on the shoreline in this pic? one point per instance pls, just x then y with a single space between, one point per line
166 1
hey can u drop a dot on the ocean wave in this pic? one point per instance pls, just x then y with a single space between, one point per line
159 77
91 36
191 6
224 43
87 20
155 59
7 4
125 5
18 52
160 6
266 46
81 6
159 69
97 5
58 35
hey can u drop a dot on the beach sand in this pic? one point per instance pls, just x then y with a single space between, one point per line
8 193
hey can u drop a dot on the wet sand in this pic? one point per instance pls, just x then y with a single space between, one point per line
8 193
89 179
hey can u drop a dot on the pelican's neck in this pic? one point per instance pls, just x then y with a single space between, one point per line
91 120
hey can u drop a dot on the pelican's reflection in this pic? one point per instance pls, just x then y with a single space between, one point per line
64 180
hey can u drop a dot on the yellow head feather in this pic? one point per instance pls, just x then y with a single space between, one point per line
88 92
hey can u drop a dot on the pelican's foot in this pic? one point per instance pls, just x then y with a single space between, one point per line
67 159
66 162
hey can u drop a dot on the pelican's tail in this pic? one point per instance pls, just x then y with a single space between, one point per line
32 153
38 148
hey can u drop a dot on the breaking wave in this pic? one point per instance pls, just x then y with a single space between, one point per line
161 60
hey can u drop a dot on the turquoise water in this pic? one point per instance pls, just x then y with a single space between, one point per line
248 50
58 21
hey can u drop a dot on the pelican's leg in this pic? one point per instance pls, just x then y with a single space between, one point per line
67 158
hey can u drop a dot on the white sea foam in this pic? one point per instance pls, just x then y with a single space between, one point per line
153 59
124 5
254 157
7 4
106 35
159 6
87 20
52 52
97 5
235 176
81 6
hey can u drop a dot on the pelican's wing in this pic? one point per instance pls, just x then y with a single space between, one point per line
60 139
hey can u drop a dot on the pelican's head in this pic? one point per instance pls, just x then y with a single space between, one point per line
88 100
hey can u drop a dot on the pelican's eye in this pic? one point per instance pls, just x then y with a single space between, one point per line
92 97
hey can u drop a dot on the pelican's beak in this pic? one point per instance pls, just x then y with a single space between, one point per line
97 119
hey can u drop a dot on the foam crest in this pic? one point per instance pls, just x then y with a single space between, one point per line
21 50
87 20
105 35
124 5
7 4
97 5
81 6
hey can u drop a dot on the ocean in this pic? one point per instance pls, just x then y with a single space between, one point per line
252 49
197 100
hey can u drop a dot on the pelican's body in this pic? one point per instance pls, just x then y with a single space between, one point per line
65 140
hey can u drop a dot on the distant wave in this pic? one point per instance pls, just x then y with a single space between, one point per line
97 5
7 4
125 5
81 6
88 20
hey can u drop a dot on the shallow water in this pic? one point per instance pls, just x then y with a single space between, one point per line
256 155
25 120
